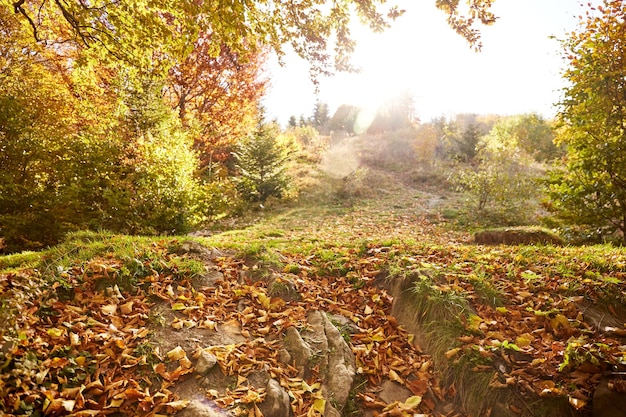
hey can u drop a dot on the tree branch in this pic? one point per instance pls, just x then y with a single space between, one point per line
17 8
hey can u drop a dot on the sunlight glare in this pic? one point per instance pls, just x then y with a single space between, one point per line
380 81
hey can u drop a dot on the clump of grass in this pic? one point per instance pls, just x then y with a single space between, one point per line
19 260
472 388
485 290
439 313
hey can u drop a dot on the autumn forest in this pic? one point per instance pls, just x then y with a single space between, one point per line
166 248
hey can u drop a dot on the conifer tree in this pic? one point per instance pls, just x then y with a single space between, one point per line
261 162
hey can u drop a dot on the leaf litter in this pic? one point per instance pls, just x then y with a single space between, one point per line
83 344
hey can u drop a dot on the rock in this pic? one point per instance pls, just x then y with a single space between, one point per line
331 412
608 403
276 402
341 364
321 345
205 363
284 356
196 249
283 287
337 364
259 379
299 351
202 408
392 391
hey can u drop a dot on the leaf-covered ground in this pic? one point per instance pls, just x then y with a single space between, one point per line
519 328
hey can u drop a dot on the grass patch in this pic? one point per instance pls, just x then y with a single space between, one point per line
522 235
26 259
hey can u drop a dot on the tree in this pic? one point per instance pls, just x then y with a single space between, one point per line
160 29
460 136
261 162
153 188
217 96
303 121
321 116
86 145
344 118
396 113
590 190
49 164
531 132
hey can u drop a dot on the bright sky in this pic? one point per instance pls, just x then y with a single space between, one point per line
518 70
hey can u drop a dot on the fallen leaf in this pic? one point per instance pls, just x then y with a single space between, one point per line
393 375
176 354
411 403
109 309
452 352
559 321
54 332
177 405
127 308
577 403
319 405
524 340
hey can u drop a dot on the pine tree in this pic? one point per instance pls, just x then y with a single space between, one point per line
261 162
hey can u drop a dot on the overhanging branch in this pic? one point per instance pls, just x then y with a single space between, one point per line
17 8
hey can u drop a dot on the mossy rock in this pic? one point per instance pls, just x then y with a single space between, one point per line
283 286
517 236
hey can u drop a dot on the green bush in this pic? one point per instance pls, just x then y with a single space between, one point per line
502 184
131 170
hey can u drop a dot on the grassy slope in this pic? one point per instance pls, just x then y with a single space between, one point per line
512 327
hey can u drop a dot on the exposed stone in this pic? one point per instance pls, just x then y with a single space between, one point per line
341 364
337 364
283 286
299 351
259 379
196 249
202 408
331 411
206 362
343 323
392 391
321 345
276 402
284 356
608 403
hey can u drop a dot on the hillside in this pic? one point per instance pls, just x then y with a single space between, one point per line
375 303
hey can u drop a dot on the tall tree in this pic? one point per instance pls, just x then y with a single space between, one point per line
396 113
321 115
461 135
591 190
218 96
344 118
